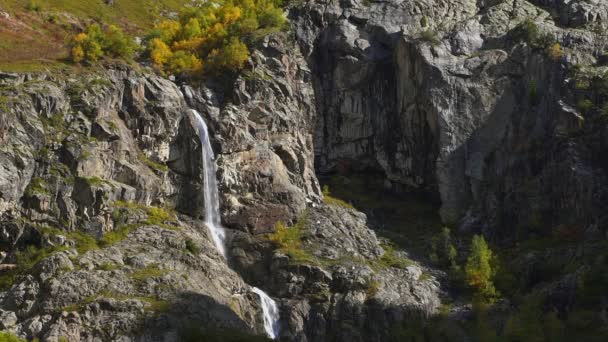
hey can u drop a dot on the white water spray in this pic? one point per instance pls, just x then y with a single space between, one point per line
271 313
270 309
210 192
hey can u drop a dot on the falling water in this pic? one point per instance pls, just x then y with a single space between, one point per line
270 309
271 313
210 192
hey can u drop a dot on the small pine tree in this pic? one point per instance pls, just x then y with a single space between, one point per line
478 270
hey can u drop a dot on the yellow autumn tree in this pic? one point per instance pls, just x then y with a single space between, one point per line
213 34
160 53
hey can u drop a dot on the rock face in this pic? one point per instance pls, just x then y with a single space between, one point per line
464 109
92 248
491 106
101 203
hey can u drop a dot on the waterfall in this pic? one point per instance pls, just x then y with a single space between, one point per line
270 309
271 313
210 192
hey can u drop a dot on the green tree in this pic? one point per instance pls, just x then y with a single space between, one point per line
479 273
443 252
117 44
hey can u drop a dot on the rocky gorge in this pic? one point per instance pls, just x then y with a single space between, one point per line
492 111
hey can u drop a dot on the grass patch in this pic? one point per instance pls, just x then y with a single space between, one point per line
25 260
330 200
152 164
108 266
146 273
154 304
118 234
391 258
6 336
156 216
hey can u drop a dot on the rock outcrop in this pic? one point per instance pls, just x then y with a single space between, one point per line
459 98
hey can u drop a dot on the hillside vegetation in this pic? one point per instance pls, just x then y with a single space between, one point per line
35 33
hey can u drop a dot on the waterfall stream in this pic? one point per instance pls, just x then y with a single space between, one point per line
270 309
210 192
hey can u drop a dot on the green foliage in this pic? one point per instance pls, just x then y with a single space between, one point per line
33 6
117 235
391 258
443 252
6 336
94 43
25 260
424 21
156 216
289 241
330 200
479 273
528 31
213 36
192 247
585 105
430 36
37 186
148 272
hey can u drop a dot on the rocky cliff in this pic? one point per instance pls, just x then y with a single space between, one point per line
494 109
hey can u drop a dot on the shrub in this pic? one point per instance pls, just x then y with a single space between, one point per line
6 336
94 43
555 52
212 35
289 241
391 258
443 252
478 270
192 247
33 6
424 21
585 105
232 57
527 31
117 44
430 36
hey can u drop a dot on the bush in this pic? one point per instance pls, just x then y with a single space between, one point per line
192 247
212 35
443 252
479 272
585 105
430 37
391 258
555 52
33 6
6 336
527 31
94 43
